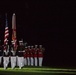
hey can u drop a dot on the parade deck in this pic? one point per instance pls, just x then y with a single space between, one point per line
37 71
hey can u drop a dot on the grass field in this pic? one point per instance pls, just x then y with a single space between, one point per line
37 71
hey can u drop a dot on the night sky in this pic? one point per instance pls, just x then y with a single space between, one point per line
50 23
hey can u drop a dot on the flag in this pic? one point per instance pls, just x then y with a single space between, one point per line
14 39
6 34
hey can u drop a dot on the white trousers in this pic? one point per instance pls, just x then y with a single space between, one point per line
13 62
25 61
0 59
35 59
32 61
40 61
17 60
20 62
5 62
28 61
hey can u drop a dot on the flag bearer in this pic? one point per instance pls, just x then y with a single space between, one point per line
20 53
6 56
13 56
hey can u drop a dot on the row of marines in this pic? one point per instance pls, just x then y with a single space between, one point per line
22 56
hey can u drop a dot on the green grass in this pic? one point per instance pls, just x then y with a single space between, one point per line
37 71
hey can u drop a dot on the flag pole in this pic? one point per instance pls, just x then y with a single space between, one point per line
14 39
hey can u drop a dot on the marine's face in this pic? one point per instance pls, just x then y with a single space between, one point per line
35 46
40 46
21 43
28 47
12 43
6 43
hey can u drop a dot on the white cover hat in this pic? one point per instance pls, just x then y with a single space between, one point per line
25 47
20 41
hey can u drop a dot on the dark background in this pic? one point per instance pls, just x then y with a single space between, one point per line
50 23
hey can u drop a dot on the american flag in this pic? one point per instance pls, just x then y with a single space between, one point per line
14 31
6 34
